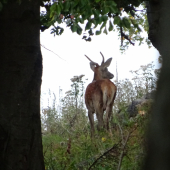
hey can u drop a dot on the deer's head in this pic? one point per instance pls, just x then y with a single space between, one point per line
101 71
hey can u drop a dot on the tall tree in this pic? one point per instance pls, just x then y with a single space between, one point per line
20 81
159 130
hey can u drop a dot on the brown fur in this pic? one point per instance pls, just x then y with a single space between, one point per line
100 96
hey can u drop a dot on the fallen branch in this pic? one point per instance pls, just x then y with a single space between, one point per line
124 146
105 153
122 153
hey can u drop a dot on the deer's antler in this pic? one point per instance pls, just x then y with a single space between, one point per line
102 57
92 61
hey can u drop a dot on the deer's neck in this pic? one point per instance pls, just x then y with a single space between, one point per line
97 77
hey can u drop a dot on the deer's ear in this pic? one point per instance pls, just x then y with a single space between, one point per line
107 63
92 65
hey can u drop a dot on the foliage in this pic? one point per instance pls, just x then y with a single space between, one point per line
68 144
70 115
123 144
49 119
73 111
142 83
106 151
128 17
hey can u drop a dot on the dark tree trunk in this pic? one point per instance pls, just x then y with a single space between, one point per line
159 130
20 81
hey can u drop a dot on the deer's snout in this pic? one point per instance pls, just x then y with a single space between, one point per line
111 76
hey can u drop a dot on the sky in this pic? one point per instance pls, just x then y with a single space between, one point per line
69 59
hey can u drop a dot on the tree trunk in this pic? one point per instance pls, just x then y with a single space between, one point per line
159 130
20 81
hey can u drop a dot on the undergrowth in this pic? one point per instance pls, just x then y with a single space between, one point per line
67 144
121 146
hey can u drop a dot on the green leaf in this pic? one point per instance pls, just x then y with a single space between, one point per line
105 10
57 30
53 9
105 31
104 18
81 20
66 6
117 20
126 22
89 11
134 23
74 27
88 25
97 0
84 16
83 3
95 22
110 26
98 32
113 9
61 5
98 20
75 3
95 12
58 9
79 30
103 25
110 3
54 18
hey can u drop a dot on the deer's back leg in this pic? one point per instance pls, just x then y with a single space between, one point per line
99 115
91 118
107 116
109 111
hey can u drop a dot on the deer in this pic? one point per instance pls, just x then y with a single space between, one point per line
100 95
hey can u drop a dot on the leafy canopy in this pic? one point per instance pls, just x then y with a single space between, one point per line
128 17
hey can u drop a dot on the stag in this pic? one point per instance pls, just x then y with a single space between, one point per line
100 94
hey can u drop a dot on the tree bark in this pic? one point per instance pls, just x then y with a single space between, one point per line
20 82
159 130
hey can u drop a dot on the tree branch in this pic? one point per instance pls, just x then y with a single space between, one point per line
51 51
123 35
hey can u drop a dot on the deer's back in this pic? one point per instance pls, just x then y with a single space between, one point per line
100 93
